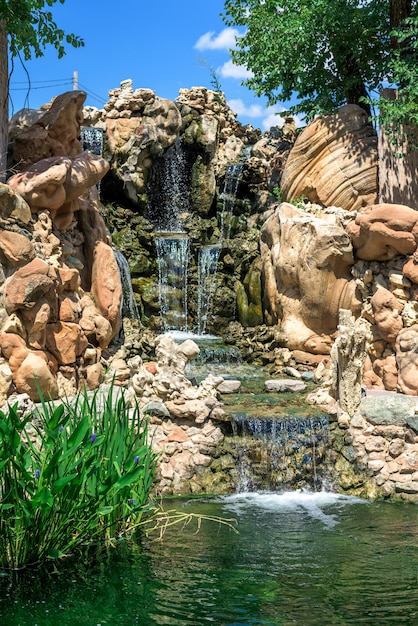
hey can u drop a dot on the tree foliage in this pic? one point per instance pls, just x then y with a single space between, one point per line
324 52
31 27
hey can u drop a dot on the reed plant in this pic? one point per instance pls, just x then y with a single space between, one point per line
86 476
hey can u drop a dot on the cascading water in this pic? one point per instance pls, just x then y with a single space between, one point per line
207 266
92 140
173 251
229 194
129 306
281 453
169 190
209 255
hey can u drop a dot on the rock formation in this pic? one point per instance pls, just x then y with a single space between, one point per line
306 277
54 251
334 161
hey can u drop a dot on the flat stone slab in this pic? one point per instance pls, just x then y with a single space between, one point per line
389 407
284 385
229 386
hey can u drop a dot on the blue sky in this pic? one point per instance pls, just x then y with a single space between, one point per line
162 45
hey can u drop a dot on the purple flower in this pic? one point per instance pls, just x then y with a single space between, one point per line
93 437
37 474
136 459
60 429
132 500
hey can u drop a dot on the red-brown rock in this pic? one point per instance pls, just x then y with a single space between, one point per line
65 341
382 231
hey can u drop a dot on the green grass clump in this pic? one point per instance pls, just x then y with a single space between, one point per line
87 477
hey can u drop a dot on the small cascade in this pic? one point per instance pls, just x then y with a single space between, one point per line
274 454
229 194
173 250
209 255
207 266
92 140
129 306
169 189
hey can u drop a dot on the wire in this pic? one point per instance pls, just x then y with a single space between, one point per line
91 93
34 88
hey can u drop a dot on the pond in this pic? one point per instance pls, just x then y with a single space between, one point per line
299 558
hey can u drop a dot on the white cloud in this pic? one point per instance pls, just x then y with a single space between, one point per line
224 41
229 70
270 115
238 106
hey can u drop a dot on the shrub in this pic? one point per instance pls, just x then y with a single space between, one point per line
87 477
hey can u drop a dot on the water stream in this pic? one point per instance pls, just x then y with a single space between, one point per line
173 250
129 306
299 559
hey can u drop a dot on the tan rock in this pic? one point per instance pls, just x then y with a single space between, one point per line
94 375
334 161
306 264
27 285
407 360
387 309
12 205
382 231
178 435
410 269
56 133
16 249
34 375
106 285
65 341
387 371
195 410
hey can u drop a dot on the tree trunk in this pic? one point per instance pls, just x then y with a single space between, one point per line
399 10
4 101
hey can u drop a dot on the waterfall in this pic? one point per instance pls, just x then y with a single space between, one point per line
232 178
173 250
207 266
274 454
169 189
92 140
209 255
129 306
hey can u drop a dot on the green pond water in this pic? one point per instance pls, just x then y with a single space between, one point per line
299 558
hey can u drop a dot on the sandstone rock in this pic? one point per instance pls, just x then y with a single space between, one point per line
407 360
334 161
306 265
386 309
57 182
94 375
229 386
28 284
382 231
12 205
387 372
65 341
106 286
15 249
34 375
195 410
56 133
284 385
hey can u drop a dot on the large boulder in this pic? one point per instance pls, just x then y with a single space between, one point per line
382 231
306 262
334 161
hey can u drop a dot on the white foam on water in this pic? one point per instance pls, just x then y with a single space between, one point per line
182 335
312 503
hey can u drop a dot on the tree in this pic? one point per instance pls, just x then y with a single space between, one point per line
26 28
324 52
